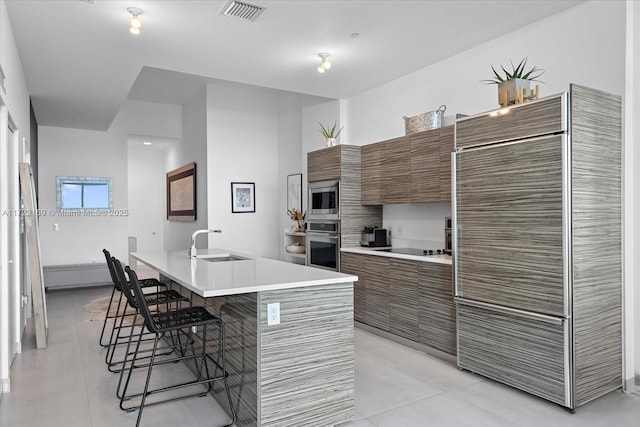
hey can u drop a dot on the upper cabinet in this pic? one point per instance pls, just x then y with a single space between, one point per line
410 169
373 173
324 164
397 182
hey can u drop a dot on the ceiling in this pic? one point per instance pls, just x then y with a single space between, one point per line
81 62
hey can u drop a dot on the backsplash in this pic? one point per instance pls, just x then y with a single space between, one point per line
419 225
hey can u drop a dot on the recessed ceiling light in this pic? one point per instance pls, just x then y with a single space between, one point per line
146 143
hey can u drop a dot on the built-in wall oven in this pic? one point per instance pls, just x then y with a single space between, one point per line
324 200
323 244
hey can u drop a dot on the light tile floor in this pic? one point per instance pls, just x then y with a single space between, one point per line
68 385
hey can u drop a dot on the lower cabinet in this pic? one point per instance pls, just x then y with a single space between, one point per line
410 299
403 298
437 315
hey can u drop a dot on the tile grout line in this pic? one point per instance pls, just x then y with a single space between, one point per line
82 357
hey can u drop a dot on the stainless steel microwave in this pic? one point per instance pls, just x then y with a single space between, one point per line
324 200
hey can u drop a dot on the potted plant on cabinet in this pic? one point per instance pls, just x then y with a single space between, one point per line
514 85
330 133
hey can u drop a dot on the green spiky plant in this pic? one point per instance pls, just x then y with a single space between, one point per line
517 72
330 132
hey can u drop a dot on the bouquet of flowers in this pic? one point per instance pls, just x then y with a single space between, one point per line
298 218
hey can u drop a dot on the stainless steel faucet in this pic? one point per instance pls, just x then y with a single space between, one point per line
192 250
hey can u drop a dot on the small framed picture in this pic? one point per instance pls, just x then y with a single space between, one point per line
243 197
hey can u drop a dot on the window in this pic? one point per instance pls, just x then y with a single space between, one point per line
80 192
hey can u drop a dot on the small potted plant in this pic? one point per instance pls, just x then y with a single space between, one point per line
330 134
514 81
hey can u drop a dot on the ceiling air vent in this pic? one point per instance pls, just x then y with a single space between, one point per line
241 9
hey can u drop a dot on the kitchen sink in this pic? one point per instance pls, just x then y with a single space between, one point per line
221 258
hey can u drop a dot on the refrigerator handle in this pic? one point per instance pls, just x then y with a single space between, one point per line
511 311
454 226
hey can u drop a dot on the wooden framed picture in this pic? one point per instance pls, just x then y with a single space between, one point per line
243 197
181 193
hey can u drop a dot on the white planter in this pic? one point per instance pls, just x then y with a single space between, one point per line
331 142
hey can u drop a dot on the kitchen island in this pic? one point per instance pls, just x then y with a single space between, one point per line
291 368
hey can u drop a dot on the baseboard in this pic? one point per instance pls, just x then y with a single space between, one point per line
408 343
76 275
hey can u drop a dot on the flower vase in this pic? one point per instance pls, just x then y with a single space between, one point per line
331 142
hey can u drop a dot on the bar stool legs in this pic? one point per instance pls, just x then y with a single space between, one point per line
161 324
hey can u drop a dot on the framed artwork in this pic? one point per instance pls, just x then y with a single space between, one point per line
294 191
243 197
181 193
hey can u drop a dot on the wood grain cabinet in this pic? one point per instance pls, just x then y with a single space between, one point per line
355 264
437 311
410 299
324 164
403 298
397 181
425 166
377 292
373 173
409 169
447 136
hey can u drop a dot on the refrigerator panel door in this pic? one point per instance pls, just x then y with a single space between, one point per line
519 351
509 225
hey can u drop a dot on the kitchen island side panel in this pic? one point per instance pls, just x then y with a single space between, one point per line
307 361
239 314
596 129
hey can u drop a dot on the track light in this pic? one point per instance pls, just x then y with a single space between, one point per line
135 23
324 64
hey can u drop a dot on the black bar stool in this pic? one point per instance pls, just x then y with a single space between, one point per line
155 299
145 283
161 323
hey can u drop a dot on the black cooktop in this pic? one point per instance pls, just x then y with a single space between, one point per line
413 251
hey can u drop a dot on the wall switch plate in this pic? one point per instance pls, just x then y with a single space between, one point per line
273 313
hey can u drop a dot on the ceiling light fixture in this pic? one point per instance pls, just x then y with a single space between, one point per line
147 143
135 23
324 64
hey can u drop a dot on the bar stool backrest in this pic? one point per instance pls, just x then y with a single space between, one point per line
112 271
124 284
139 296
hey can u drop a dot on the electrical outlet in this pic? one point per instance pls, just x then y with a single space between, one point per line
400 231
273 313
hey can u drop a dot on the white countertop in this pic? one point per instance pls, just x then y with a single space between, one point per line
255 274
437 259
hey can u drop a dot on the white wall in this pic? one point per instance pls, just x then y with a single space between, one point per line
146 197
417 226
242 146
16 104
78 152
192 148
584 45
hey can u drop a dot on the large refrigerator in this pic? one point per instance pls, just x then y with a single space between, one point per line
537 245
